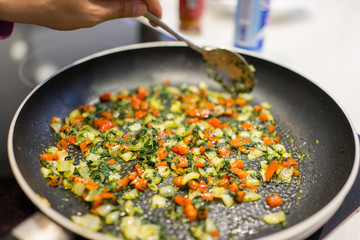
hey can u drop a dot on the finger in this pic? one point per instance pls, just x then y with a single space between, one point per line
154 7
131 8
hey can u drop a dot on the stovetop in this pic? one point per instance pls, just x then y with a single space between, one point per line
33 54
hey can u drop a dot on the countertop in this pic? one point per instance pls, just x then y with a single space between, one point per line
320 39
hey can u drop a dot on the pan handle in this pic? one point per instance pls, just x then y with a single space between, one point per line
37 226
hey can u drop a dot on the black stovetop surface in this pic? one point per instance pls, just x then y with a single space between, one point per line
31 55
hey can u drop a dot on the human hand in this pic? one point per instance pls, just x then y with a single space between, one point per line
74 14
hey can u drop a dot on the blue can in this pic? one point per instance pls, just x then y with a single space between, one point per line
250 21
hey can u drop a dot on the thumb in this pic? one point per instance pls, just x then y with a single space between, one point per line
131 8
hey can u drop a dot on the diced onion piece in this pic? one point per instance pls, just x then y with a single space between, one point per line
242 117
202 172
201 135
67 184
203 85
149 231
156 103
127 156
158 201
250 180
130 226
186 178
168 191
78 188
197 231
88 221
74 113
46 172
218 133
255 154
251 196
132 194
210 154
274 218
170 124
62 154
164 171
199 142
227 199
92 157
244 134
87 133
211 171
114 177
84 170
175 107
263 164
156 180
56 127
92 195
135 127
182 132
256 134
247 96
218 191
266 105
194 194
196 151
173 90
262 173
218 163
158 127
114 151
148 173
43 200
286 174
112 217
134 147
131 209
286 155
170 143
64 165
153 187
279 148
69 174
210 226
104 209
52 150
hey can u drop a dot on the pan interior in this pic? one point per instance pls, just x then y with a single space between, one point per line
302 110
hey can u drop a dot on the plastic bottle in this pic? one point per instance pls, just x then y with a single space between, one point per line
190 13
251 19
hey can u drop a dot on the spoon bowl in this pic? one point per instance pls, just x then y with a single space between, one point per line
226 67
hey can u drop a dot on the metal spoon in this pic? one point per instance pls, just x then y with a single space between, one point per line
224 66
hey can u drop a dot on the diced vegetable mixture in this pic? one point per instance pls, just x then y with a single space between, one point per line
190 146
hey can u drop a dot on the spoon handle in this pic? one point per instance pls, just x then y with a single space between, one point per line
176 34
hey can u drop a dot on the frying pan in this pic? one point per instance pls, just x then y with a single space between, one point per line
303 111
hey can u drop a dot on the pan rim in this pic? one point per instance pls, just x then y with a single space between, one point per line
300 230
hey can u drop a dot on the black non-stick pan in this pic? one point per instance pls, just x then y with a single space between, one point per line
321 130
